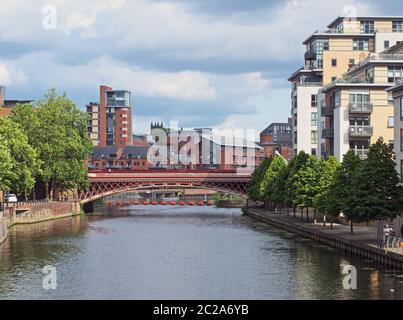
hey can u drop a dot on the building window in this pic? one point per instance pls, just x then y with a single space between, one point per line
366 26
334 62
401 170
314 119
395 74
359 99
313 100
401 108
360 44
391 122
369 75
314 137
334 79
397 26
401 140
386 44
313 151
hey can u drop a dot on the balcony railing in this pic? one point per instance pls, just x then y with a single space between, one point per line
366 107
327 133
361 131
378 57
362 153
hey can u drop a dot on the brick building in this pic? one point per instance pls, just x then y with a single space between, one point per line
7 106
115 117
114 158
277 137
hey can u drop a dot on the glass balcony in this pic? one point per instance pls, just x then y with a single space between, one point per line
326 110
327 133
362 153
366 107
361 131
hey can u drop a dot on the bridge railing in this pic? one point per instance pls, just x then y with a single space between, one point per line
31 202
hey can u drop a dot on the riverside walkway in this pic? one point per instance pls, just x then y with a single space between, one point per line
361 243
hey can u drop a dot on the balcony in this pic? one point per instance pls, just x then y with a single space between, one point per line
326 110
309 55
362 153
378 57
361 131
361 108
327 133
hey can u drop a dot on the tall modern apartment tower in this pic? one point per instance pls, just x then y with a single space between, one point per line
329 55
115 115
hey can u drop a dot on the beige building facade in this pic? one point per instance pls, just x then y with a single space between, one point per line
329 55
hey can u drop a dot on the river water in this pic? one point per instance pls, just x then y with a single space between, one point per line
178 253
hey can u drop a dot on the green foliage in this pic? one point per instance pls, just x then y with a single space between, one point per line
279 194
276 166
57 130
362 190
330 167
6 163
292 183
254 190
377 191
340 197
25 165
306 182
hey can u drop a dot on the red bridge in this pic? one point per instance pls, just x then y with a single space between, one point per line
103 184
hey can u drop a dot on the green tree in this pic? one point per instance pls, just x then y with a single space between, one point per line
277 164
57 130
378 194
342 191
256 180
321 200
279 188
291 185
307 183
5 166
25 165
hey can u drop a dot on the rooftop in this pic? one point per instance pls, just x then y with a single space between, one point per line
339 19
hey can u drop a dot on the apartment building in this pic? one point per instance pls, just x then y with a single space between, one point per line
277 137
94 123
356 109
329 55
397 96
115 117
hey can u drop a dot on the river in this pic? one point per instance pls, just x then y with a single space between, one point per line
150 252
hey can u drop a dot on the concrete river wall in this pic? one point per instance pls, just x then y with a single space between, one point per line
34 213
338 239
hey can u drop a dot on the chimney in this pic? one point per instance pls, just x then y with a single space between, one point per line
2 95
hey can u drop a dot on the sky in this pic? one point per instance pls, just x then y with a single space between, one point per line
203 63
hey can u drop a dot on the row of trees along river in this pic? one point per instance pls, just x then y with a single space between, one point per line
44 143
363 190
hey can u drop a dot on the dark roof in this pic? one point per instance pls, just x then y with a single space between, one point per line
13 103
103 152
135 152
269 129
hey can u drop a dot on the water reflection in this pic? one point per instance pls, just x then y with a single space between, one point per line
178 253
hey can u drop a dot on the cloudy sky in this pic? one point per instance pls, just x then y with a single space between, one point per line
210 63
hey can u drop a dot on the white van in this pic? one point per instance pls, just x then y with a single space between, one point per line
10 198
